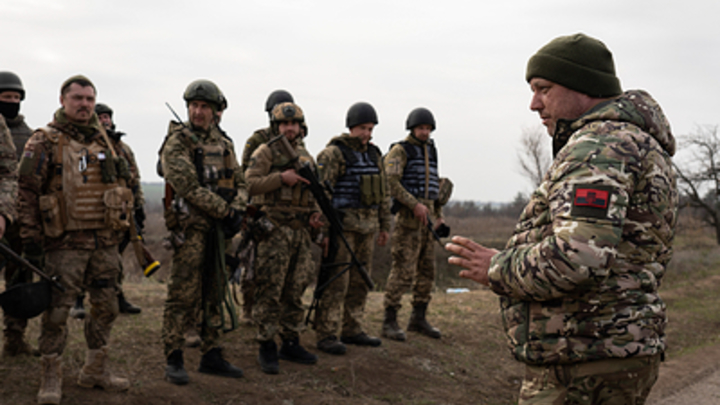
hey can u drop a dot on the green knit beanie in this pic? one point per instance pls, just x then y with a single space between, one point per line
578 62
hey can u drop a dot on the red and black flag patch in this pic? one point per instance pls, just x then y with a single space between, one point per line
591 200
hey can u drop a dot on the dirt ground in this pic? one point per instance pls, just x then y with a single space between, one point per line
469 365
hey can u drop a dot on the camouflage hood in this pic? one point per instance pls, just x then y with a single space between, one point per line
636 107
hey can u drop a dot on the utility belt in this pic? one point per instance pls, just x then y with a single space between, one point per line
292 217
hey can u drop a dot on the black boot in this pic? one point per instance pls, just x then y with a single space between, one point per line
212 362
268 357
78 310
331 345
175 369
361 339
292 351
126 307
418 323
390 327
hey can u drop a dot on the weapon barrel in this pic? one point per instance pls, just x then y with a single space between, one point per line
9 252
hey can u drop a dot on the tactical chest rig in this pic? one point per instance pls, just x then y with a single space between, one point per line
213 164
84 191
285 196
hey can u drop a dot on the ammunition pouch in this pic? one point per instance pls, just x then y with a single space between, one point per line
372 190
51 214
118 203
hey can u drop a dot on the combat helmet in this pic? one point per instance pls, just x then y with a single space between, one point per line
420 116
11 81
101 108
204 90
360 113
277 97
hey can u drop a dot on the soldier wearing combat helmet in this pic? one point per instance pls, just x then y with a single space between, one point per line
78 237
284 261
578 280
12 93
413 177
352 166
208 201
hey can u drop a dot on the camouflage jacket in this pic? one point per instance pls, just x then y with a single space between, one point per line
578 279
21 132
177 157
35 172
258 138
8 174
265 183
331 166
124 149
395 162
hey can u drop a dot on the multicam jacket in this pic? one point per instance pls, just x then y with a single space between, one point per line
332 166
8 174
579 277
21 132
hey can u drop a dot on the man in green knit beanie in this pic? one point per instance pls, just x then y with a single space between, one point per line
578 280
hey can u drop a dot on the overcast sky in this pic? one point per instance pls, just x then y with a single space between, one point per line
464 60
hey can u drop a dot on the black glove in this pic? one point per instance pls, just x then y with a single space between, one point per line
33 252
140 218
442 231
232 223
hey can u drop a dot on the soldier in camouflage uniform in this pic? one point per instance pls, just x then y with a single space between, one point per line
353 168
284 264
12 93
578 280
258 138
412 170
105 115
199 163
72 208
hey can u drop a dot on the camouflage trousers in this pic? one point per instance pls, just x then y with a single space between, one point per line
15 274
184 295
413 265
96 270
283 270
603 382
344 299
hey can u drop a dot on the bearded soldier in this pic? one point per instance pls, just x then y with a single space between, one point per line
12 93
284 260
73 208
209 195
258 138
353 167
412 170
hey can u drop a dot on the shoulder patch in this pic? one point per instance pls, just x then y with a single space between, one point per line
591 200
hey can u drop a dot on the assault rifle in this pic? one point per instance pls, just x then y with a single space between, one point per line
318 191
145 259
441 231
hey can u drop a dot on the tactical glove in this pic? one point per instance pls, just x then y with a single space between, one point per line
442 231
33 252
232 223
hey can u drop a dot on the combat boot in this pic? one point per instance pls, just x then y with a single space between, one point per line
268 357
212 362
361 339
78 310
50 379
390 327
126 307
175 369
15 345
332 345
292 351
95 372
418 323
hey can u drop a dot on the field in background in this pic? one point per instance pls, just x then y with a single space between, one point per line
469 365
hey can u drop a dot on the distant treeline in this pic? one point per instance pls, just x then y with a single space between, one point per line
474 209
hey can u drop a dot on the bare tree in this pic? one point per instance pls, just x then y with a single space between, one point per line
700 175
533 154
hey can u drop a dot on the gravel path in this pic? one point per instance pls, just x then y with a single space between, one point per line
704 392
